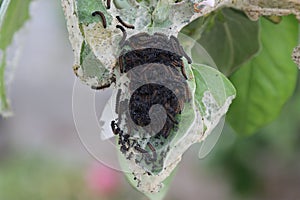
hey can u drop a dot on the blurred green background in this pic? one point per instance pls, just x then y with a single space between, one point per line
41 156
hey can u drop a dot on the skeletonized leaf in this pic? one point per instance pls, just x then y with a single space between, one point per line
213 96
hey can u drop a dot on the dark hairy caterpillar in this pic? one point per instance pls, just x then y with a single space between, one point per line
102 17
124 23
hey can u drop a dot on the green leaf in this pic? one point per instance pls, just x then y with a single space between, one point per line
231 39
266 82
13 14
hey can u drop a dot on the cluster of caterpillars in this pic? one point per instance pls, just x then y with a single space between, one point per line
148 56
148 52
125 143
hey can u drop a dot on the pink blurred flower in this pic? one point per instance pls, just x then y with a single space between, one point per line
102 179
